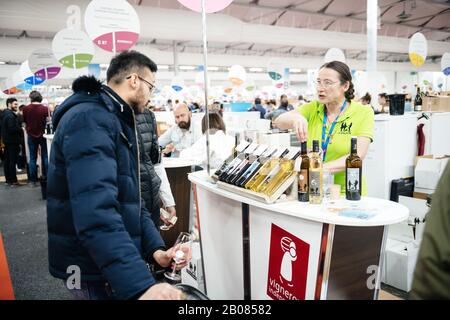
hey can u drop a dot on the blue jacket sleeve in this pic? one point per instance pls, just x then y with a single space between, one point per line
151 238
91 170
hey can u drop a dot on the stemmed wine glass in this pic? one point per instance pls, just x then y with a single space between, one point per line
182 246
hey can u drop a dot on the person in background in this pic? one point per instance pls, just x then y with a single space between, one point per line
35 117
220 144
96 219
334 115
285 103
301 100
281 109
258 107
22 160
271 105
383 103
11 135
182 135
169 106
155 186
432 273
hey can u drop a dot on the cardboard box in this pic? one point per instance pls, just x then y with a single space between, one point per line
193 273
436 103
400 261
427 173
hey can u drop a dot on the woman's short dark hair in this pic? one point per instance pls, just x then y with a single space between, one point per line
215 122
257 101
35 96
128 61
344 76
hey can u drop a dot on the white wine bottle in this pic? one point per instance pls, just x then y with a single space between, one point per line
315 175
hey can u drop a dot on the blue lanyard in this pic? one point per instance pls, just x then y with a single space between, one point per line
324 129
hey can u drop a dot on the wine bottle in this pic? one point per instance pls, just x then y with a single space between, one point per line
246 164
237 161
265 169
285 172
255 166
315 175
303 175
418 100
236 151
353 173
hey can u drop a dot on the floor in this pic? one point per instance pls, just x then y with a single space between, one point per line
24 231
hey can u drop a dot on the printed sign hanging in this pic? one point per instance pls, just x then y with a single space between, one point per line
43 64
418 49
113 25
334 54
73 48
210 5
445 63
28 76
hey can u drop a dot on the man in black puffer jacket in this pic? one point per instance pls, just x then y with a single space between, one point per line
155 186
97 228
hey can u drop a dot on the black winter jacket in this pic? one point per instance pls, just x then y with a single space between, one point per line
149 155
11 129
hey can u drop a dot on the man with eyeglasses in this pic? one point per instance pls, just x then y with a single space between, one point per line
101 236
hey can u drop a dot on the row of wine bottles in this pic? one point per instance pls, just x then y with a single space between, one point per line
259 168
265 169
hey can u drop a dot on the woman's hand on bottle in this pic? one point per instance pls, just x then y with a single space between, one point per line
300 126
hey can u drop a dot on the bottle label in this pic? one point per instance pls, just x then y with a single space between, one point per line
314 185
353 183
303 181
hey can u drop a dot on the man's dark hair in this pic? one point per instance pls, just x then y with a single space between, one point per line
383 95
10 100
283 96
35 96
257 101
127 62
367 97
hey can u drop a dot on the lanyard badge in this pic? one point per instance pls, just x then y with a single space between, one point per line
326 141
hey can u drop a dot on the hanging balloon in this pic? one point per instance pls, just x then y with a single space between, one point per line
445 63
334 54
43 64
113 25
8 87
28 76
73 48
210 6
275 69
418 49
228 90
177 84
250 86
237 75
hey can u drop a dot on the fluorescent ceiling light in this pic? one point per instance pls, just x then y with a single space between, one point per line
213 68
187 68
163 67
255 69
294 70
2 62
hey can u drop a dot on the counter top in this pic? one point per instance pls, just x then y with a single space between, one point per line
178 162
383 212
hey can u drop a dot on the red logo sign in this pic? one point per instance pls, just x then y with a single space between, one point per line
288 266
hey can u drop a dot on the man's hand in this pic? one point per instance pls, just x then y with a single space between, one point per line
172 212
165 258
162 291
169 148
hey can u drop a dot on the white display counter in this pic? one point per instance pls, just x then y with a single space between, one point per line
290 250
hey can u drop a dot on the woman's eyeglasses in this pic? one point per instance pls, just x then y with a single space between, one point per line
325 83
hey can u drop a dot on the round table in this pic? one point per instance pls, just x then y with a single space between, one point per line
291 250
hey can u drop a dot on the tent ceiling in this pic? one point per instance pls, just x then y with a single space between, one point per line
429 17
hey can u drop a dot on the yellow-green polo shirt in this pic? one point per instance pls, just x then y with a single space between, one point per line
357 120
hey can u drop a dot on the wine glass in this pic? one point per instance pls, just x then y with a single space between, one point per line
183 242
